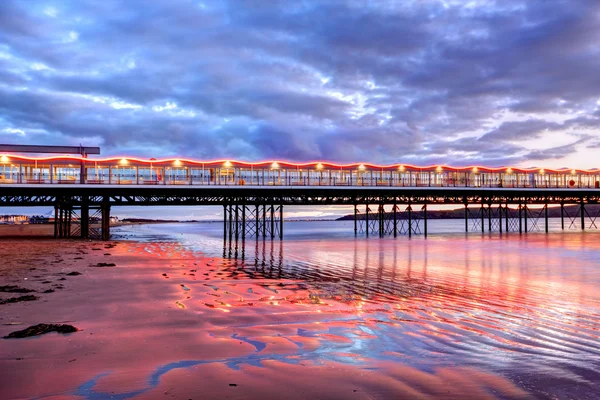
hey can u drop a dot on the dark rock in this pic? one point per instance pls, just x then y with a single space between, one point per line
78 258
107 254
62 279
46 282
48 291
29 297
74 273
40 329
15 289
233 384
105 265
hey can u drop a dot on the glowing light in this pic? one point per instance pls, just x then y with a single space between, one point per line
4 159
227 164
509 171
573 172
274 165
401 168
177 163
542 172
439 168
123 161
319 166
361 167
475 169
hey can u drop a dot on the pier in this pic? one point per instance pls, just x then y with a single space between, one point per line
386 199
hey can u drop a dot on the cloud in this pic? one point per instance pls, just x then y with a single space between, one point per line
421 81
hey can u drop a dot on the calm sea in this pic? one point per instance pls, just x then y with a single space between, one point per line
524 307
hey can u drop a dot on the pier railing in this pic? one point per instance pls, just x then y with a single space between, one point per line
124 171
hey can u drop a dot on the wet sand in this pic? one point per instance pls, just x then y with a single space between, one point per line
166 322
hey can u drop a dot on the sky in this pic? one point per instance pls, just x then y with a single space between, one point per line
499 83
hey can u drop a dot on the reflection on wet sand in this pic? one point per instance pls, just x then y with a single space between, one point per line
447 317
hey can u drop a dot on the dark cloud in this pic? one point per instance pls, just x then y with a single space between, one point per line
421 81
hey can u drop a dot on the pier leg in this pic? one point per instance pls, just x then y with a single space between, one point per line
355 220
562 216
224 221
281 222
409 211
237 221
69 220
489 217
105 220
56 223
243 221
85 219
546 216
582 212
520 219
500 217
264 218
395 220
257 222
425 220
272 212
526 217
506 210
367 218
466 218
482 218
381 211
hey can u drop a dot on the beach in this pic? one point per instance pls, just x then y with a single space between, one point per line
167 322
172 310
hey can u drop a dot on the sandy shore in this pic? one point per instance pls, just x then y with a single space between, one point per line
36 230
168 323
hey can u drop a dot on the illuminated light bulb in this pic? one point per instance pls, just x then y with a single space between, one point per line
401 168
439 168
177 163
361 167
274 165
319 166
573 172
542 171
509 170
4 159
475 169
123 161
227 164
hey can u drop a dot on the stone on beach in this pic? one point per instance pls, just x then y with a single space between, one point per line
41 329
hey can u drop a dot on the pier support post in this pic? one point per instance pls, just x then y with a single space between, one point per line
466 218
506 211
355 219
281 221
562 216
264 221
425 220
243 221
525 209
367 218
520 218
224 220
85 218
395 220
582 212
409 211
56 221
546 216
105 219
489 217
272 221
482 218
381 212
